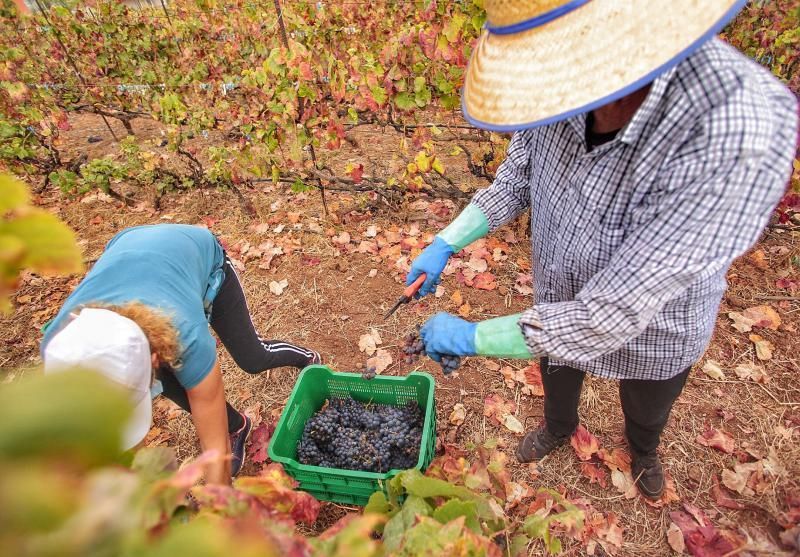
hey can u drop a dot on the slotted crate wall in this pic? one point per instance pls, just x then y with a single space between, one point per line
317 384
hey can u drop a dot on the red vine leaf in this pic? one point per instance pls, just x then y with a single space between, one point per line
702 538
259 443
584 443
594 473
276 490
716 439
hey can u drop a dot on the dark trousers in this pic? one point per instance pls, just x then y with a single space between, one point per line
646 404
230 319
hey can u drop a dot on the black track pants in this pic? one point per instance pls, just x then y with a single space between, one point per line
646 404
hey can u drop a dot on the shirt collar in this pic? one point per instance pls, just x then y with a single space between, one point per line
633 129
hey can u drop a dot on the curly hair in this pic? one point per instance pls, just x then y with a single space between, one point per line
156 326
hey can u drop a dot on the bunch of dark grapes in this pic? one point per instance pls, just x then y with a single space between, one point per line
369 372
413 348
355 435
450 364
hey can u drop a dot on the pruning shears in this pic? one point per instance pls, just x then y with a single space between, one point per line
408 294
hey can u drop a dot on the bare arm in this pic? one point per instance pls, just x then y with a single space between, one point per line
207 401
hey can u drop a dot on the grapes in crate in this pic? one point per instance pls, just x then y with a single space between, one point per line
413 348
354 435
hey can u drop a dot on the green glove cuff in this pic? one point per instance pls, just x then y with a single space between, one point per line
501 337
469 226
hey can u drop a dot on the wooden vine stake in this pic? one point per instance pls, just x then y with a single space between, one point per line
301 108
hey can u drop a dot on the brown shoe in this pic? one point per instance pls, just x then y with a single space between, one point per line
538 444
648 474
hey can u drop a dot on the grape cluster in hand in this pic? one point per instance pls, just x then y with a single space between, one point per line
413 348
354 435
450 364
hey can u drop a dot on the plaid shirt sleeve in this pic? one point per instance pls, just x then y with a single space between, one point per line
509 195
708 207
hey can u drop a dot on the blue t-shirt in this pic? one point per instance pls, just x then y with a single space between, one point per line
174 268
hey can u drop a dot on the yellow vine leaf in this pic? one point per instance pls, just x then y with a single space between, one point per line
31 238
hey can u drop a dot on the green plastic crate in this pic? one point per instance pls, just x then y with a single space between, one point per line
318 383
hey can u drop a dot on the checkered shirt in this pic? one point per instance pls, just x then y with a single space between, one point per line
632 240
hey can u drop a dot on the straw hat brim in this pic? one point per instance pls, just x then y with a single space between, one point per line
589 57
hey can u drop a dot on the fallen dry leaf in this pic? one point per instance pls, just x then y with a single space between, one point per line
372 273
259 442
668 496
269 251
529 378
477 264
758 316
465 310
675 538
496 408
523 284
764 347
737 479
341 239
615 459
713 369
254 413
716 439
752 372
277 287
517 492
458 415
533 380
584 443
156 437
457 298
722 498
594 473
380 361
513 424
624 483
702 538
485 281
611 533
759 259
508 374
368 343
492 365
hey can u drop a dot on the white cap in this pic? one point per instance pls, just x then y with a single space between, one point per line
103 341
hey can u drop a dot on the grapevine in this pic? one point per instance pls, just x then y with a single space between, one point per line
212 69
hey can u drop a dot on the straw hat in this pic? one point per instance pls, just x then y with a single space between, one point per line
541 61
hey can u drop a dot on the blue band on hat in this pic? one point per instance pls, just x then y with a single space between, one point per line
537 21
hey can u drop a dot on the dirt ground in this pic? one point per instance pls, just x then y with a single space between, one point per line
334 296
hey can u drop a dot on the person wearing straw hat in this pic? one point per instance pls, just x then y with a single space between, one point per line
650 155
141 317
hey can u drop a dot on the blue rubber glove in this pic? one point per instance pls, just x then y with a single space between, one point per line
432 262
447 334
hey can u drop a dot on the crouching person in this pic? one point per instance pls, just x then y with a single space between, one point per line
141 316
